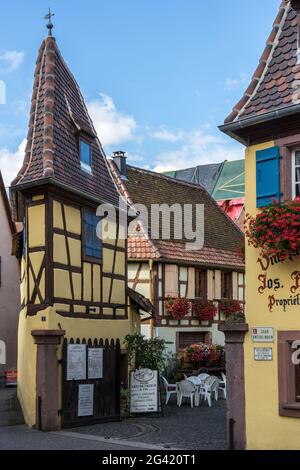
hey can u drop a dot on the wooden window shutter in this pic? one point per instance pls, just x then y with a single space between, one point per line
267 176
92 244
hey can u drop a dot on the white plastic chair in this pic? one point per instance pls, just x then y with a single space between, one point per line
209 387
223 385
203 377
170 389
186 390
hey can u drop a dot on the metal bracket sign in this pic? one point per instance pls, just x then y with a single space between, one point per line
144 391
263 334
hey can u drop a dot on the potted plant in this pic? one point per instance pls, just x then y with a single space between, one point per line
275 230
205 310
177 307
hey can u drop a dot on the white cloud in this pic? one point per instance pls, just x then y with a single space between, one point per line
11 162
11 60
164 134
197 147
231 83
112 126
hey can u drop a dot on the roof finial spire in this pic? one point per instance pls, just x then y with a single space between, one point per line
49 24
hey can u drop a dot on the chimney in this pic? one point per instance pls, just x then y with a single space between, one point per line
119 159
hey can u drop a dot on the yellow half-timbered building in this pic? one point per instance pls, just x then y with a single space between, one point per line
73 284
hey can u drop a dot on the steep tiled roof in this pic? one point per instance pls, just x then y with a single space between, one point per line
58 115
221 236
273 84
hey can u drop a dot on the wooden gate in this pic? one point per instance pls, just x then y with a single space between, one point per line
91 382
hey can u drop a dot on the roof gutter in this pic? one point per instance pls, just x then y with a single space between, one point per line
61 185
233 127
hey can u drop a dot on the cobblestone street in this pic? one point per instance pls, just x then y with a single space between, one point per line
200 428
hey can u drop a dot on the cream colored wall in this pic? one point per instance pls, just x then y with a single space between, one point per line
9 292
265 429
169 334
144 274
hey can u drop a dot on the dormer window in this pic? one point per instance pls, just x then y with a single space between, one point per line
85 155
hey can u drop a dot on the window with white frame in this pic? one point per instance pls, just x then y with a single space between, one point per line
296 173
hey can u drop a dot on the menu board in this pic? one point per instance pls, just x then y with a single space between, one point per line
144 391
95 363
86 400
76 362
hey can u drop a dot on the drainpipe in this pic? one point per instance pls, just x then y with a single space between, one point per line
151 294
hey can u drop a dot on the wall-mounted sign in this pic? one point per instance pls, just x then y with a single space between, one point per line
86 400
2 353
263 334
144 397
263 354
95 363
76 362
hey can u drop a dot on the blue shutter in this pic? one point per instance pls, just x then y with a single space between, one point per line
88 234
92 244
97 241
267 176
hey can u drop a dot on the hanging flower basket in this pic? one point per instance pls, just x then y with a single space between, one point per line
205 310
231 308
275 230
177 307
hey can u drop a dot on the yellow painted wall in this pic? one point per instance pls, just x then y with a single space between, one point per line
74 327
265 429
27 362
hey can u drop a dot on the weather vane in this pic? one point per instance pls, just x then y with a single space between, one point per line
49 25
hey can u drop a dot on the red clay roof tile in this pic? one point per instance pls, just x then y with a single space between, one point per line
272 82
58 115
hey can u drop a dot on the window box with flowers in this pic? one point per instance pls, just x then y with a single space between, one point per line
177 307
275 230
205 310
233 310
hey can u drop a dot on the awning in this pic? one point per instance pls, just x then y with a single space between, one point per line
140 301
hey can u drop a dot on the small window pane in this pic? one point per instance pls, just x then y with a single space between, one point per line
297 158
297 190
85 153
183 274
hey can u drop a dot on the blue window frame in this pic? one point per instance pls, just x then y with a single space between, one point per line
85 153
92 244
267 176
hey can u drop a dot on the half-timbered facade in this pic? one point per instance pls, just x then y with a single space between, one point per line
160 268
73 284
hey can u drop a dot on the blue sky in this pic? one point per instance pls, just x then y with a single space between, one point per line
158 76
